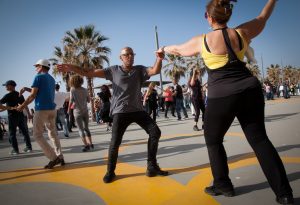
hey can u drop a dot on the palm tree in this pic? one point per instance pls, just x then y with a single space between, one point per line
63 56
254 69
175 69
288 72
274 73
196 62
84 47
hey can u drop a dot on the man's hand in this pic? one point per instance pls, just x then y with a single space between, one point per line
20 108
22 91
64 68
160 53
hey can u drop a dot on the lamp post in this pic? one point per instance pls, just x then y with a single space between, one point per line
157 47
262 68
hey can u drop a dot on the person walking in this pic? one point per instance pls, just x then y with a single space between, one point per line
197 98
42 91
168 95
234 92
105 97
15 118
79 98
59 100
178 96
150 100
126 106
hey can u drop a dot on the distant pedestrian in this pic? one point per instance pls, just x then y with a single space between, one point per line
105 97
59 99
168 95
197 97
150 100
178 95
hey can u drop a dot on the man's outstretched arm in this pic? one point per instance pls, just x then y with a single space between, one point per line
157 65
79 70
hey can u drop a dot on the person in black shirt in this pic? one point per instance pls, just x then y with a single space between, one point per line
233 92
15 118
151 100
105 96
197 98
179 100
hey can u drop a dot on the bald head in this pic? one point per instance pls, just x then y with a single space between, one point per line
126 50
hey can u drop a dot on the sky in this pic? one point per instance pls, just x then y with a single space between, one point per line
31 28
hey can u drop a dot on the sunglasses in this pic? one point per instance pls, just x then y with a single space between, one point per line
205 15
128 54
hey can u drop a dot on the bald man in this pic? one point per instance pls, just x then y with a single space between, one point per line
126 106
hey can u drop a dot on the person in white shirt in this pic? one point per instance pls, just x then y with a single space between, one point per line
59 99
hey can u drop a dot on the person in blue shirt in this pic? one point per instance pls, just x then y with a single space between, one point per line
43 91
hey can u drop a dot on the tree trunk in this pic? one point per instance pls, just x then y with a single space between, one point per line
91 95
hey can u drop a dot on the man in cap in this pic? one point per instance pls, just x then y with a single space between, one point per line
42 91
15 118
126 106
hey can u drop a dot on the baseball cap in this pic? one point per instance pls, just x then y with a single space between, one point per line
43 62
10 82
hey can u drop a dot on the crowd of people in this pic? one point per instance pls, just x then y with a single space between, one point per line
232 92
283 89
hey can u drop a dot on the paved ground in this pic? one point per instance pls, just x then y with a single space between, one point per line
182 151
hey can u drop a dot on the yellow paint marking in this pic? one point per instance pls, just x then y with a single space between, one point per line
132 186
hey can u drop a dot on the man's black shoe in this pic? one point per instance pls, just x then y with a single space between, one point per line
153 170
109 177
62 162
51 164
86 148
214 191
288 199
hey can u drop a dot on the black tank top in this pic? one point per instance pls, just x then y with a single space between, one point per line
232 78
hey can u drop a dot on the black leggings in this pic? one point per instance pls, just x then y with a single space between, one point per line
198 105
248 107
120 123
168 105
152 109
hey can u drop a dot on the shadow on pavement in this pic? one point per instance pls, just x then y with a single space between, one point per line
272 118
263 185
